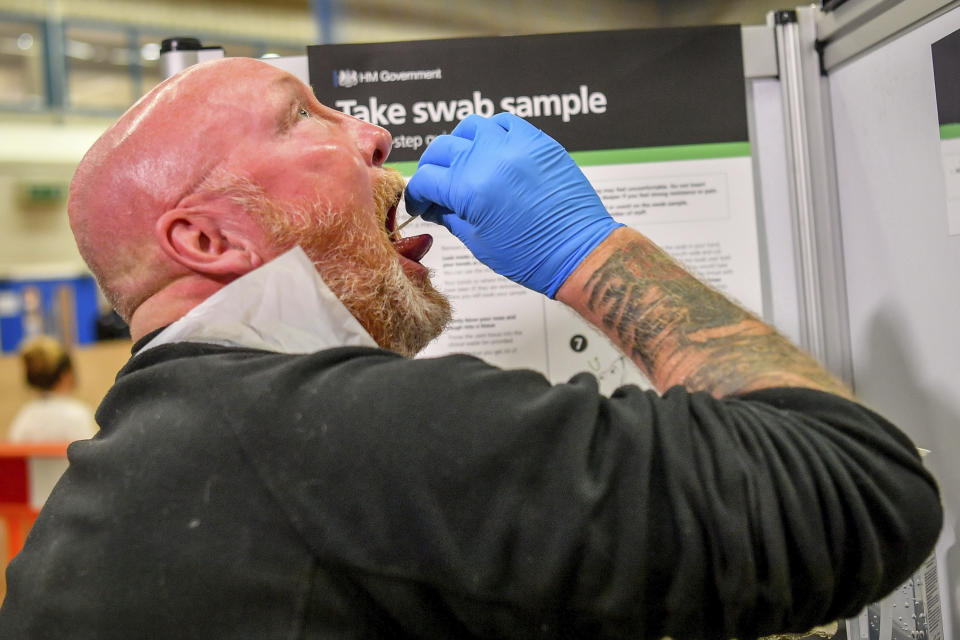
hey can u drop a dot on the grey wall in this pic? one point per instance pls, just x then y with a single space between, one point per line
902 266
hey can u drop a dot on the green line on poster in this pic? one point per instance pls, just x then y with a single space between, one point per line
638 154
950 131
662 154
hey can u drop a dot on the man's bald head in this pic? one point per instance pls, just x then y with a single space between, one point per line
227 165
156 155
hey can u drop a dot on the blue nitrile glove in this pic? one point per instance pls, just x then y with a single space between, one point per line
514 196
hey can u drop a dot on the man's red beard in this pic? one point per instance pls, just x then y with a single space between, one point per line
400 312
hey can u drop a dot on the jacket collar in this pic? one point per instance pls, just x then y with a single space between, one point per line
283 306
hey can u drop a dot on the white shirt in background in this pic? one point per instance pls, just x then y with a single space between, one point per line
53 418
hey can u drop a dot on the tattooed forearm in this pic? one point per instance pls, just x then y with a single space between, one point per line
680 331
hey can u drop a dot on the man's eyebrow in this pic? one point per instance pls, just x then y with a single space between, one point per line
295 101
289 115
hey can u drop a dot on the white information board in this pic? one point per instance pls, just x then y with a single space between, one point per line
630 107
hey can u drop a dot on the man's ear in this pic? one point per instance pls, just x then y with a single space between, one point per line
198 240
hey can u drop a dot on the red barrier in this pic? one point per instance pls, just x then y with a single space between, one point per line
27 474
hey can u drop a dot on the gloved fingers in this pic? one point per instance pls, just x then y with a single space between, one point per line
446 218
458 227
474 125
467 128
444 150
511 122
435 213
429 184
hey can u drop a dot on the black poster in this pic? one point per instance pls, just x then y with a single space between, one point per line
591 91
946 71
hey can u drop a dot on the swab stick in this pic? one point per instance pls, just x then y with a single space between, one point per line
405 223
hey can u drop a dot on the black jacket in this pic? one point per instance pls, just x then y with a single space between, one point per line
351 493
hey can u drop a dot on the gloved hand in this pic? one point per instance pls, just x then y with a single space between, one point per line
514 196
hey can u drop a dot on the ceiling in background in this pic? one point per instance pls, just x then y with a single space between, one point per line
377 20
95 57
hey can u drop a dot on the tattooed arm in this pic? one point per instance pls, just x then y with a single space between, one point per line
678 330
522 206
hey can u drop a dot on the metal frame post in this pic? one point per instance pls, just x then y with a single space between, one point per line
824 325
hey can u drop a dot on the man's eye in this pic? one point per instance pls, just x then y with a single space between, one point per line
303 113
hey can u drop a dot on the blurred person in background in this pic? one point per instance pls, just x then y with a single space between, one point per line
54 415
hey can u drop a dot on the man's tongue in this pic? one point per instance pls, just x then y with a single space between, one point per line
414 247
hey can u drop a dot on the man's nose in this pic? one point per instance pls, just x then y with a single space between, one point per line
374 142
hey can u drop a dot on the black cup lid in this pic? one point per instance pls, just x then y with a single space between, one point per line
180 44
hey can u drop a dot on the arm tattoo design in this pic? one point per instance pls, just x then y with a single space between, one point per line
680 331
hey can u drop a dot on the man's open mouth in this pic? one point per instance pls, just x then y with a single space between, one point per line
412 248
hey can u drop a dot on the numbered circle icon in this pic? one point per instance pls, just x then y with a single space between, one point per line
578 343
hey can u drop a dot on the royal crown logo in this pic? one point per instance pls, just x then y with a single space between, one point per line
345 78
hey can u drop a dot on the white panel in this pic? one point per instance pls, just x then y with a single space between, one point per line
902 267
768 147
759 51
297 65
43 474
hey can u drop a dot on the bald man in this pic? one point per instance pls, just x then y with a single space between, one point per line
196 186
272 464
